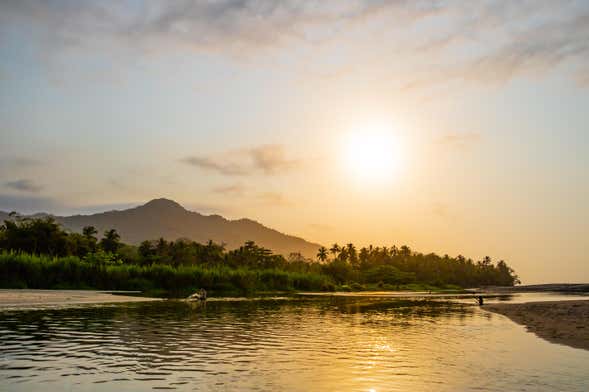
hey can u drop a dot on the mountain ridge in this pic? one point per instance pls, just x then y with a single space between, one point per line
168 219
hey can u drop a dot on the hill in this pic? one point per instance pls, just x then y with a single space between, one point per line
168 219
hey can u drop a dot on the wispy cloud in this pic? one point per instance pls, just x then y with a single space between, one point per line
484 41
269 159
217 164
23 185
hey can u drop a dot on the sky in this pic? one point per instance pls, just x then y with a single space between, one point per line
453 127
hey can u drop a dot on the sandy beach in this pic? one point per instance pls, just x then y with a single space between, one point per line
562 322
27 299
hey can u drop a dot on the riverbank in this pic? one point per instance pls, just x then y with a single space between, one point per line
562 322
33 299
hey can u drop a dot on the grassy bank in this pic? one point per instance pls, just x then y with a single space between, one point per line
44 272
19 271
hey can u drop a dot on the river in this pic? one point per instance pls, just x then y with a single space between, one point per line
307 343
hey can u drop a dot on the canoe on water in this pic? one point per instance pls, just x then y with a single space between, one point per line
196 297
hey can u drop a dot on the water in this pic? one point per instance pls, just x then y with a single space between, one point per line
284 344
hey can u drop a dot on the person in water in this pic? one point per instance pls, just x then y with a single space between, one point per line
203 294
480 300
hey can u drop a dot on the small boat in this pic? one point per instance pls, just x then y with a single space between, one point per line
198 296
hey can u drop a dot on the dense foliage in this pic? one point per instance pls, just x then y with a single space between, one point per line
38 253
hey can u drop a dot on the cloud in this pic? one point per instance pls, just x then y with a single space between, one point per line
231 190
200 25
216 164
23 185
536 50
484 41
269 159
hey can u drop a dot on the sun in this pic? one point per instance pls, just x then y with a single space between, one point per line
371 153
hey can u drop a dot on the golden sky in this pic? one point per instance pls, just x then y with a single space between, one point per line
452 127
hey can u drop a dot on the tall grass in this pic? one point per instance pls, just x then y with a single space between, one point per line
18 270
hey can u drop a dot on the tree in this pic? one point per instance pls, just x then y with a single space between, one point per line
146 251
35 236
89 233
322 254
110 243
335 249
352 254
405 251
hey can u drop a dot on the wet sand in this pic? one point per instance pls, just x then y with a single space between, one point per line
32 299
562 322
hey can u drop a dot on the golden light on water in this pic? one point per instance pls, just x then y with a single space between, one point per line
372 153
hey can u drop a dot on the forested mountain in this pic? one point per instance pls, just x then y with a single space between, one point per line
168 219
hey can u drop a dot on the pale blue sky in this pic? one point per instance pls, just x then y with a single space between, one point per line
240 108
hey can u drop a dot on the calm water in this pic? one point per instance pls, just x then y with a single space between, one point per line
308 344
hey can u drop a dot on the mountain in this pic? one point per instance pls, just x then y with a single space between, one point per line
168 219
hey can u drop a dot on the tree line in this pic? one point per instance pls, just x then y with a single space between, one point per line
340 266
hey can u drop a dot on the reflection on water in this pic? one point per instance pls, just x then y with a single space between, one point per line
308 344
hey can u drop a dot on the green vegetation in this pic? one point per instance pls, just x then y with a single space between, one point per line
100 271
38 253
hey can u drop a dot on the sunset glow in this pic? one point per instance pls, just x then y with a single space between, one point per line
372 154
294 195
308 117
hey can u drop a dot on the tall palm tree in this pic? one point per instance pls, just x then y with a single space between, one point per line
89 232
394 250
335 249
111 241
352 254
351 248
322 254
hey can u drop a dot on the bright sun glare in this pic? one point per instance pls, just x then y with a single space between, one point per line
372 153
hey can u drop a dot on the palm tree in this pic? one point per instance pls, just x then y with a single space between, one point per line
335 249
110 243
322 254
352 254
405 251
89 232
394 250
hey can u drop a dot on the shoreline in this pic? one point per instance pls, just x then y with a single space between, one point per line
561 322
27 299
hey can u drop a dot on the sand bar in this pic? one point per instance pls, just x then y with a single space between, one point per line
562 322
32 299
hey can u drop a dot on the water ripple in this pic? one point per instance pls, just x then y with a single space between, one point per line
344 344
